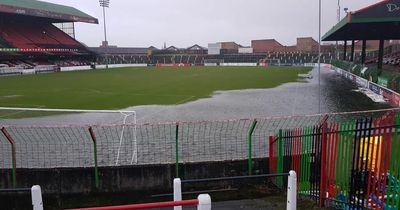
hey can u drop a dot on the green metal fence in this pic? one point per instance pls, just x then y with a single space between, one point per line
71 146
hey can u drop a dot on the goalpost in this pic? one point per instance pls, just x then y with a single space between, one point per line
213 62
108 128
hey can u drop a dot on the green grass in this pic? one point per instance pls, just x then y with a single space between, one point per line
125 87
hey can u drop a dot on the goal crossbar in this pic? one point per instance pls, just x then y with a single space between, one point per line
121 134
66 110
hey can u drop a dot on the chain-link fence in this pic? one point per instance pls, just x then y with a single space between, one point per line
135 144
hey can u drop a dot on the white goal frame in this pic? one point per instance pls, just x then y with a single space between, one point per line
124 113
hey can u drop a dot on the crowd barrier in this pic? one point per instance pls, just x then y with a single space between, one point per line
391 96
291 201
203 202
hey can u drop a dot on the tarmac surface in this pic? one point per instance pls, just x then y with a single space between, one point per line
269 203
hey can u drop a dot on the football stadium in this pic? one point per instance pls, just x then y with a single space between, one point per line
309 125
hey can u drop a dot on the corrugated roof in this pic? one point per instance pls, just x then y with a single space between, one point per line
44 9
375 22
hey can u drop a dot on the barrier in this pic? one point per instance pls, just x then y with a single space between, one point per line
36 194
391 96
28 71
173 65
45 68
203 202
316 65
239 64
37 201
11 71
350 164
120 66
291 189
75 68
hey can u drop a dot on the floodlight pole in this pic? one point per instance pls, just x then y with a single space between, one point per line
338 20
104 4
319 58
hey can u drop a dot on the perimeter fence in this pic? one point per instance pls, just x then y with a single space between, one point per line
125 144
345 164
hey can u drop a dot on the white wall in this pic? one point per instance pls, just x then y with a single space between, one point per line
214 48
75 68
244 50
120 66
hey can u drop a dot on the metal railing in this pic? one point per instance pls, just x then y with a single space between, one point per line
291 201
203 202
348 164
100 145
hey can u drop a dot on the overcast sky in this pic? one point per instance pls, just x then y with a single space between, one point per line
182 23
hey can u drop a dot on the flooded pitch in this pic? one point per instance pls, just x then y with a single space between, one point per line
300 98
337 95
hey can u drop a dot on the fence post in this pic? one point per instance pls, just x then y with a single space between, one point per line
270 154
37 201
13 156
280 158
250 147
96 169
177 192
292 191
177 150
323 167
204 202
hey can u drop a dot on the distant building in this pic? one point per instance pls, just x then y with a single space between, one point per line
214 48
223 48
196 49
229 47
306 44
245 50
172 50
266 45
151 49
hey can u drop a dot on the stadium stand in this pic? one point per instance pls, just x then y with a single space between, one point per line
29 35
243 58
139 56
297 58
31 41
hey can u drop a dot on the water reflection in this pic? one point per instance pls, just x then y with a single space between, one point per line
337 95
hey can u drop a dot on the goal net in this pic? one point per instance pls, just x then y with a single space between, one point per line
67 137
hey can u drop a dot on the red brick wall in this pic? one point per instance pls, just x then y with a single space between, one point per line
267 45
307 44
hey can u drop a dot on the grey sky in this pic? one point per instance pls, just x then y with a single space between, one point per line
141 23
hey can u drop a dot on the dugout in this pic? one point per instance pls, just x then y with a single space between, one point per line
380 21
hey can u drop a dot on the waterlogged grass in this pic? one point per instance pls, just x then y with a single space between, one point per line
125 87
